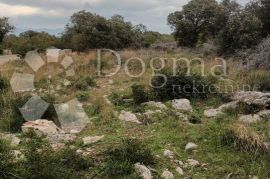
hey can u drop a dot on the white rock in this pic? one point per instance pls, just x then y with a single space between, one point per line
74 131
128 117
253 97
18 155
182 116
168 154
66 83
179 170
149 113
143 171
41 126
14 140
167 174
154 104
110 82
191 146
193 163
230 105
250 118
264 115
182 104
92 139
212 113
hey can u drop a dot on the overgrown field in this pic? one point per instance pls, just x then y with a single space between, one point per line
227 148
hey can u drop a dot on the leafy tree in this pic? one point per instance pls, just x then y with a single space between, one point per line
243 30
261 9
5 27
87 31
198 19
29 40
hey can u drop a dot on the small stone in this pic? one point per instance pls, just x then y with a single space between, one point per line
91 140
143 171
182 116
167 174
181 164
230 105
182 104
110 82
18 155
193 163
212 113
74 131
250 118
168 154
179 170
191 146
128 117
154 104
66 83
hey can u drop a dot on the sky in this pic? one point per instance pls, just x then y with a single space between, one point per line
53 15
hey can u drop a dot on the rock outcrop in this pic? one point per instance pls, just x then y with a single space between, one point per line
182 104
253 97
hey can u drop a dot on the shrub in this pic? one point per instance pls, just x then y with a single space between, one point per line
17 120
39 156
84 83
194 119
121 159
181 86
139 94
6 160
4 84
82 95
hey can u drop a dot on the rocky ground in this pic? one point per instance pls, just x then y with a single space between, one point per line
188 138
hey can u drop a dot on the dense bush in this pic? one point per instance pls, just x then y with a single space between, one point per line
41 161
242 31
181 85
16 119
139 94
4 84
6 160
83 83
29 40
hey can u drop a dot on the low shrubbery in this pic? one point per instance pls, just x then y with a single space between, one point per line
139 94
181 85
84 83
41 161
82 95
4 84
16 119
122 158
